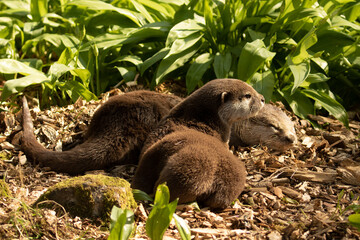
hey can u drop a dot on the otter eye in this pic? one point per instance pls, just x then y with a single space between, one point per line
274 127
248 96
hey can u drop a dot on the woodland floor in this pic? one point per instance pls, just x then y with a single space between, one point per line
303 193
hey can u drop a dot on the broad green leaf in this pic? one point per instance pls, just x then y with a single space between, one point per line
129 58
17 85
263 83
16 4
141 196
161 214
152 60
83 74
331 105
103 6
127 73
143 11
122 224
196 70
300 72
66 56
300 55
54 39
298 101
38 9
252 57
314 78
181 51
57 70
338 21
222 65
75 89
354 220
183 30
10 66
182 227
162 195
333 42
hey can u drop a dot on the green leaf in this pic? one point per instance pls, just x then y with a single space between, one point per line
103 6
161 214
354 220
38 9
182 227
122 224
141 196
298 101
181 51
75 89
252 57
10 66
300 72
222 65
129 58
17 85
263 83
196 70
314 78
183 30
300 54
331 105
152 60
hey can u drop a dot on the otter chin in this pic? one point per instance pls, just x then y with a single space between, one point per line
188 149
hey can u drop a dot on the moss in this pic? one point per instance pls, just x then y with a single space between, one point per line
90 195
4 189
5 155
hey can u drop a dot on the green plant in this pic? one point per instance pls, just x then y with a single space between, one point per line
121 223
158 221
280 47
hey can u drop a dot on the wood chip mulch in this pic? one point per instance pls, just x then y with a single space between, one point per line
304 193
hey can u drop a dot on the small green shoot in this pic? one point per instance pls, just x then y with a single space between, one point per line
122 223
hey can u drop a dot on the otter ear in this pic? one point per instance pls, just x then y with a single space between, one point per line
224 97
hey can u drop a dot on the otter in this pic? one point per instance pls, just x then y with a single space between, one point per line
115 135
189 148
270 127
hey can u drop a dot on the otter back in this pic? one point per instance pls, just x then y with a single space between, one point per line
115 135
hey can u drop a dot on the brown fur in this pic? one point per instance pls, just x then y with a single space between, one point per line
189 150
116 133
270 127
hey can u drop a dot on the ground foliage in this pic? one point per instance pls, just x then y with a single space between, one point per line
300 194
304 53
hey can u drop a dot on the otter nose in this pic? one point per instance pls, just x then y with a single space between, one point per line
290 138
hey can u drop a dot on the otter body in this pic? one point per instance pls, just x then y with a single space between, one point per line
269 127
188 149
115 135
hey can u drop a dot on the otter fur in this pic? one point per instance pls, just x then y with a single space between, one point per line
115 135
270 127
188 149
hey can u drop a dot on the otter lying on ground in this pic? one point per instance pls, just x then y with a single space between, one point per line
188 149
269 127
115 135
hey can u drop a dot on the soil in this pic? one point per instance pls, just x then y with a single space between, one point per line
304 193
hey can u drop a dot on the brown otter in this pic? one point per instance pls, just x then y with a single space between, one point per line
189 150
270 127
115 135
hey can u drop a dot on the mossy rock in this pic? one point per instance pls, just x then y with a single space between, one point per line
4 189
90 196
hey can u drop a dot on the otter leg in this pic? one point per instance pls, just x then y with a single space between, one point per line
229 182
188 173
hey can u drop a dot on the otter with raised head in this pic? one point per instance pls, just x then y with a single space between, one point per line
115 135
270 127
188 149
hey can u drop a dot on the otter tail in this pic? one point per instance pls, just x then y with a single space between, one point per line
87 156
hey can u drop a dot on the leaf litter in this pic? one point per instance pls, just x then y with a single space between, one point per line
304 193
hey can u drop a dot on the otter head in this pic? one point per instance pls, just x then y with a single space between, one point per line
271 127
241 104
